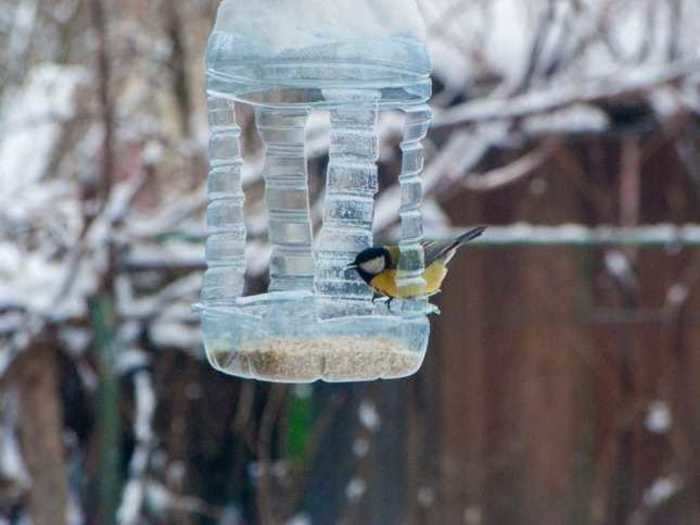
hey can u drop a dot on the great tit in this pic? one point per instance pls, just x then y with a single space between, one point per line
378 265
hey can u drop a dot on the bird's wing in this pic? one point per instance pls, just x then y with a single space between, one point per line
436 249
433 250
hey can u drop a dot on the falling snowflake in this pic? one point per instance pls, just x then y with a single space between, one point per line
369 417
355 489
658 419
661 490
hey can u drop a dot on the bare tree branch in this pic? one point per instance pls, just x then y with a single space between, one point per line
513 172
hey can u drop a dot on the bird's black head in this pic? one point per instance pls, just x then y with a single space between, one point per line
371 262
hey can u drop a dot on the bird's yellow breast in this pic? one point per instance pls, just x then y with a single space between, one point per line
385 282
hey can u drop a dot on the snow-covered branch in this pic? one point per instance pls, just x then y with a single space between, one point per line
632 81
129 512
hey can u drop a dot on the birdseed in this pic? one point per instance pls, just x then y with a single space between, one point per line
340 358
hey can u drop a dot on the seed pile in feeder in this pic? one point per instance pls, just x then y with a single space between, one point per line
333 358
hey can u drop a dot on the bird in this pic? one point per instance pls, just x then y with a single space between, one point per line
377 266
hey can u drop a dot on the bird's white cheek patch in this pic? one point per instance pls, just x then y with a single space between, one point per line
373 266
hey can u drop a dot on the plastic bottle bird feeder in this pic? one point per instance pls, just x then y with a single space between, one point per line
287 58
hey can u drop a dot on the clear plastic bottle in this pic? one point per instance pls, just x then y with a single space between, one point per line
352 58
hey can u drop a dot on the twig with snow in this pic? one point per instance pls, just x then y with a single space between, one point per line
513 172
634 80
129 512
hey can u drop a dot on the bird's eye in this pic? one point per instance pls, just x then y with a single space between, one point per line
373 266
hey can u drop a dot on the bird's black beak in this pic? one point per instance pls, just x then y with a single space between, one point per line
351 266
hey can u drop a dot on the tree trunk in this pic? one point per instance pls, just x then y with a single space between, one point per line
41 431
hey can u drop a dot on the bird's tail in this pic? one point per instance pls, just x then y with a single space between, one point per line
468 236
448 251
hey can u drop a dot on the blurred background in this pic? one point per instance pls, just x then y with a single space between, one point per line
562 382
